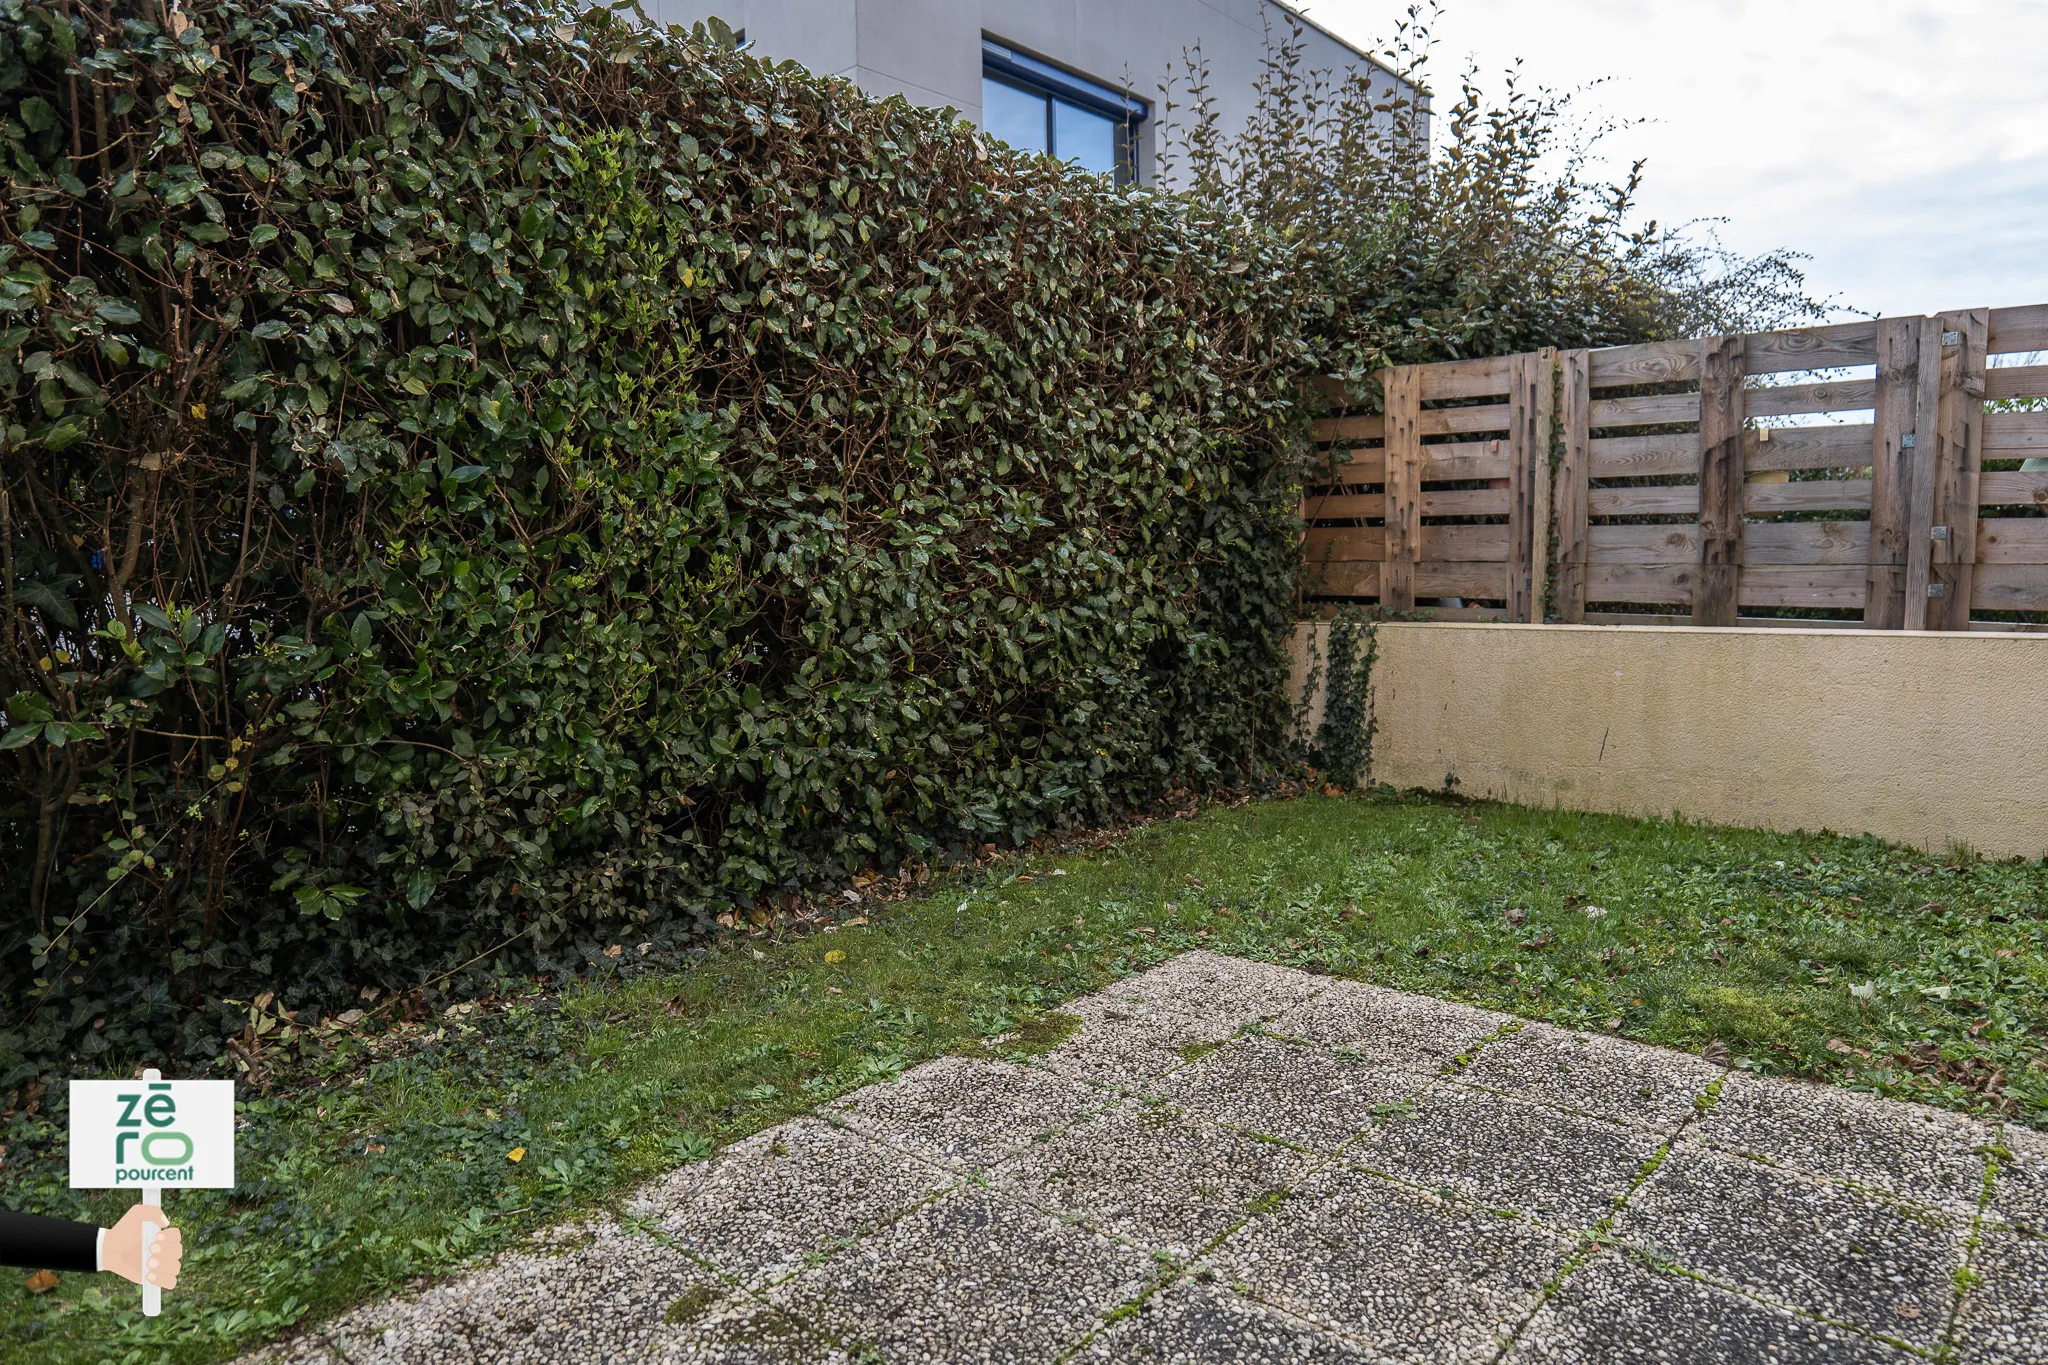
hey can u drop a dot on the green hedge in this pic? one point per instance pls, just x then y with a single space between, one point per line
486 480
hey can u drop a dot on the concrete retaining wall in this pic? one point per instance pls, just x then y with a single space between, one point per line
1927 739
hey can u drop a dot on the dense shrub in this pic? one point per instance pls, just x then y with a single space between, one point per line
1460 222
481 479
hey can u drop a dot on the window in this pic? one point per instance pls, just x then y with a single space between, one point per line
1036 107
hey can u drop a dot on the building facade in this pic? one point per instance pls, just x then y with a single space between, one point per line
1076 78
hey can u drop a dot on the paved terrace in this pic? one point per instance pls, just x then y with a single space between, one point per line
1229 1161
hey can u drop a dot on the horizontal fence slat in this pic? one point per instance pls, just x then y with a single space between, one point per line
1759 499
1791 400
1639 582
2015 435
1815 495
2016 381
1465 544
1807 542
2012 540
1465 502
1345 578
1773 543
1829 447
1440 578
1654 500
1762 586
1657 362
1647 411
1621 457
2010 587
1843 447
1367 544
1345 544
1784 585
1345 507
1634 618
1642 545
1373 428
1481 378
1463 421
2005 488
1472 460
1811 348
1351 466
2019 329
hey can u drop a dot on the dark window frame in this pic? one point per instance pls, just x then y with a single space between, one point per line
1006 65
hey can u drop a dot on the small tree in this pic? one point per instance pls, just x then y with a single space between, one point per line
1480 235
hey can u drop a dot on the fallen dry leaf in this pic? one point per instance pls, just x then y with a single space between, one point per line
42 1282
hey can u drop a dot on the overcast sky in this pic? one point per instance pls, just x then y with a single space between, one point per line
1902 143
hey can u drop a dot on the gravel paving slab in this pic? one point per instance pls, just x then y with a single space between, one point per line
1125 1044
1615 1310
1384 1028
2019 1197
1234 1162
740 1330
1206 1324
1833 1252
1565 1168
969 1114
1204 983
777 1199
1149 1172
1903 1149
2005 1318
1607 1077
601 1295
1305 1095
972 1277
1411 1275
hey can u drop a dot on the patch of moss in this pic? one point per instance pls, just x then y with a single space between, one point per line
691 1306
1041 1033
1267 1202
1194 1052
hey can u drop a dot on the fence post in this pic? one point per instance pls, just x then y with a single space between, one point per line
1403 388
1716 582
1532 413
1574 475
1894 460
1921 514
1958 460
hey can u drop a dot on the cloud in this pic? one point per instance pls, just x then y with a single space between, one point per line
1902 143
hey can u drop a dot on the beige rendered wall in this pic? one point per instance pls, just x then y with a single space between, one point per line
1927 739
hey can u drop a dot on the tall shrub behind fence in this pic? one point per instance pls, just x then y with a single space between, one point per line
481 479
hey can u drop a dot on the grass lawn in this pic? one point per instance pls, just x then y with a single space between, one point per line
389 1158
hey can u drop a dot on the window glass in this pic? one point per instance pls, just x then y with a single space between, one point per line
1015 116
1083 137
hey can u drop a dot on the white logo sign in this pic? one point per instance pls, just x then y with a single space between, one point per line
168 1134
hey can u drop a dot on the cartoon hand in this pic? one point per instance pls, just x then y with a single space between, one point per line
122 1252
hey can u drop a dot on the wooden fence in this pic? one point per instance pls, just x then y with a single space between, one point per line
1614 485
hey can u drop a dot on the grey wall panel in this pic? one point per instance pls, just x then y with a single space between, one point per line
930 44
930 50
818 33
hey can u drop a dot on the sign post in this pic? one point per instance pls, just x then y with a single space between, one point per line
152 1135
